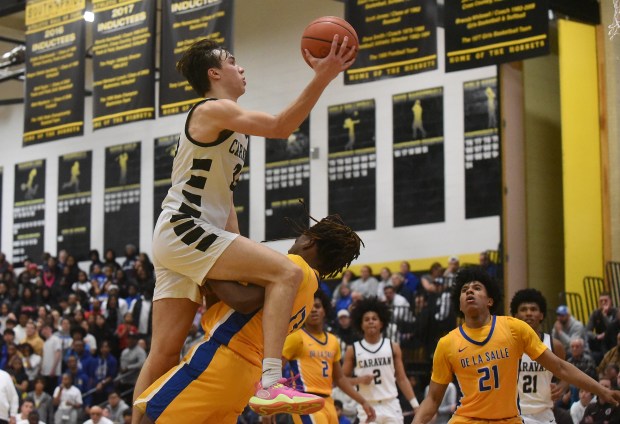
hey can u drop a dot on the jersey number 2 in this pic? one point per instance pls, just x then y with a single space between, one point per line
235 178
486 376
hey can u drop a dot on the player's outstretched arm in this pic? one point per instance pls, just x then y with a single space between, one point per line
345 385
568 372
430 404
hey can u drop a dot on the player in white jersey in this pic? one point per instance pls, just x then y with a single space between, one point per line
536 389
375 364
196 237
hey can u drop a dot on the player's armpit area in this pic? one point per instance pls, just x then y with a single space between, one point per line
243 298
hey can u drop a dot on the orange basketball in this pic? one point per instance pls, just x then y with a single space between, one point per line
318 35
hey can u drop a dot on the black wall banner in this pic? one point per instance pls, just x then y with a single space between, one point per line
122 196
483 177
123 62
396 38
165 151
183 23
287 181
241 197
74 199
419 184
55 51
352 163
29 212
481 33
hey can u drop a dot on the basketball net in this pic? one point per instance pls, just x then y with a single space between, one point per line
614 27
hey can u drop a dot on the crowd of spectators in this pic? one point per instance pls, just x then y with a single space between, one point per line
74 339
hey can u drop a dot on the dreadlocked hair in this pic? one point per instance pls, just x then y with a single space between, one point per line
369 304
338 245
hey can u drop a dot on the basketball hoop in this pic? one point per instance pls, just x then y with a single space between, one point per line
614 27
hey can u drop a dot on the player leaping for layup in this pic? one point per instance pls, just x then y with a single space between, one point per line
196 236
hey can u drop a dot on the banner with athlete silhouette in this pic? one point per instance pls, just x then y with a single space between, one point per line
123 62
418 151
74 203
241 197
165 151
29 211
183 23
352 163
55 63
287 182
122 197
483 168
396 38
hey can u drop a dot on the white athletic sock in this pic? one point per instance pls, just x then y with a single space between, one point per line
272 371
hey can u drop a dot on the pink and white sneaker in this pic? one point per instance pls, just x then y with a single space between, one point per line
283 399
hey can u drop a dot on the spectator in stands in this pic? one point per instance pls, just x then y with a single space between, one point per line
110 260
347 277
132 360
42 401
125 329
401 310
25 409
398 282
580 358
598 323
105 368
101 331
32 362
487 264
431 280
81 354
95 260
344 330
412 282
4 310
79 376
64 334
127 416
8 339
385 278
17 372
4 264
96 416
142 311
116 406
453 267
25 305
32 338
89 340
129 264
611 357
611 372
567 327
447 406
612 332
33 418
51 360
68 399
82 284
342 419
345 298
599 412
366 285
20 328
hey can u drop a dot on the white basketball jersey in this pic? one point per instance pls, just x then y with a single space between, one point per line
376 360
205 174
535 384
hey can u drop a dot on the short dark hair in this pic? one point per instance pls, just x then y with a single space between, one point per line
370 304
475 273
197 60
325 302
528 296
338 403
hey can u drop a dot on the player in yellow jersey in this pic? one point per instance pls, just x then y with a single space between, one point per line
484 355
217 377
314 357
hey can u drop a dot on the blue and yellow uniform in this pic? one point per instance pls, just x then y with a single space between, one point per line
312 356
486 363
216 379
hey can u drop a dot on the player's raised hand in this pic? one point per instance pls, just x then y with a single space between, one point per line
338 59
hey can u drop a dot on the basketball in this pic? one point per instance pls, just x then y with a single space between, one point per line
318 36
